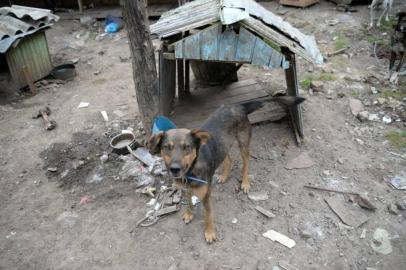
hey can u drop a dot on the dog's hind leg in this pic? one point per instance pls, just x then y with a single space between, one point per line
243 138
227 164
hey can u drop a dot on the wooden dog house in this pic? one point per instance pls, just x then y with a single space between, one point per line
215 37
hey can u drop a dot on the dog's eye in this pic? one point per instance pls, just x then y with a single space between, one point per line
186 147
166 148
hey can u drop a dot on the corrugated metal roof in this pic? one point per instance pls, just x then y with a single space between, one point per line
17 22
247 12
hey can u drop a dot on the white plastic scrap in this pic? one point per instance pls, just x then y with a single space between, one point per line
280 238
83 105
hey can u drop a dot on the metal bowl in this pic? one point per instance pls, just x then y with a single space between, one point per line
120 142
64 72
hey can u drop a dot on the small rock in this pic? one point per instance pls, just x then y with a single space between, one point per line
393 209
317 86
381 101
363 116
374 91
401 206
234 220
305 234
327 69
104 158
356 106
359 141
196 255
341 161
326 173
52 169
258 196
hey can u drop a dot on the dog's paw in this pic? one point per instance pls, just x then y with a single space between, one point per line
245 187
221 179
187 217
210 236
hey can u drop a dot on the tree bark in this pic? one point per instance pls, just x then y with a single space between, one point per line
143 61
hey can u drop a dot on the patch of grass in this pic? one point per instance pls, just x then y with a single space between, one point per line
386 93
309 78
387 25
397 138
340 42
305 83
355 93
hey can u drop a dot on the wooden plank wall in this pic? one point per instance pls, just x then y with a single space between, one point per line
214 44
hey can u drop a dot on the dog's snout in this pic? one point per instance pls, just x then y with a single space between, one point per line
175 169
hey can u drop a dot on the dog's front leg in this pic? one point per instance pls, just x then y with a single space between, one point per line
209 232
188 214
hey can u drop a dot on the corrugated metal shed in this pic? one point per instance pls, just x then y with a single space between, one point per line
17 22
24 43
246 12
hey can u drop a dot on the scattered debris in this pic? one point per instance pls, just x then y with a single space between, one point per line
332 22
287 266
148 190
381 242
347 216
399 182
83 105
234 220
105 116
300 162
280 238
387 119
363 233
52 169
265 212
342 50
305 234
195 200
356 106
104 158
258 196
83 200
373 117
392 208
359 141
44 113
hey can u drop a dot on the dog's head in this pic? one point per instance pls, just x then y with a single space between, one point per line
178 148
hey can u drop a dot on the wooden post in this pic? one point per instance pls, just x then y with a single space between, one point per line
293 90
167 83
29 80
181 78
143 61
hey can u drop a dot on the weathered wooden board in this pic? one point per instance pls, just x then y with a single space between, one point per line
192 111
213 44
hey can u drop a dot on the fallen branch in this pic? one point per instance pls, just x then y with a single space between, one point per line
337 52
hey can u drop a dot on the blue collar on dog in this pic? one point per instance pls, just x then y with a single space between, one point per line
190 179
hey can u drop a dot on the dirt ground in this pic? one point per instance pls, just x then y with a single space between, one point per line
80 216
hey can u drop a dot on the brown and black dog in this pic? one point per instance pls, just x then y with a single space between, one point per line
192 156
398 43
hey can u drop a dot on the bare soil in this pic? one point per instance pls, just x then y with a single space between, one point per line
80 216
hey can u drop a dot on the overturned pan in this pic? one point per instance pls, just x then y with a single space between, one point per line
123 143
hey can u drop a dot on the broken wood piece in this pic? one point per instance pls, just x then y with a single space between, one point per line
337 52
331 190
265 212
280 238
105 116
44 113
287 266
167 210
346 215
147 190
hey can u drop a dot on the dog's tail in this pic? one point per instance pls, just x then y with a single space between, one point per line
286 101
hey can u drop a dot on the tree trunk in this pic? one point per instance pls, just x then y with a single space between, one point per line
143 61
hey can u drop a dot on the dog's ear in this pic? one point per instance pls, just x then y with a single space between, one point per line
201 136
154 142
